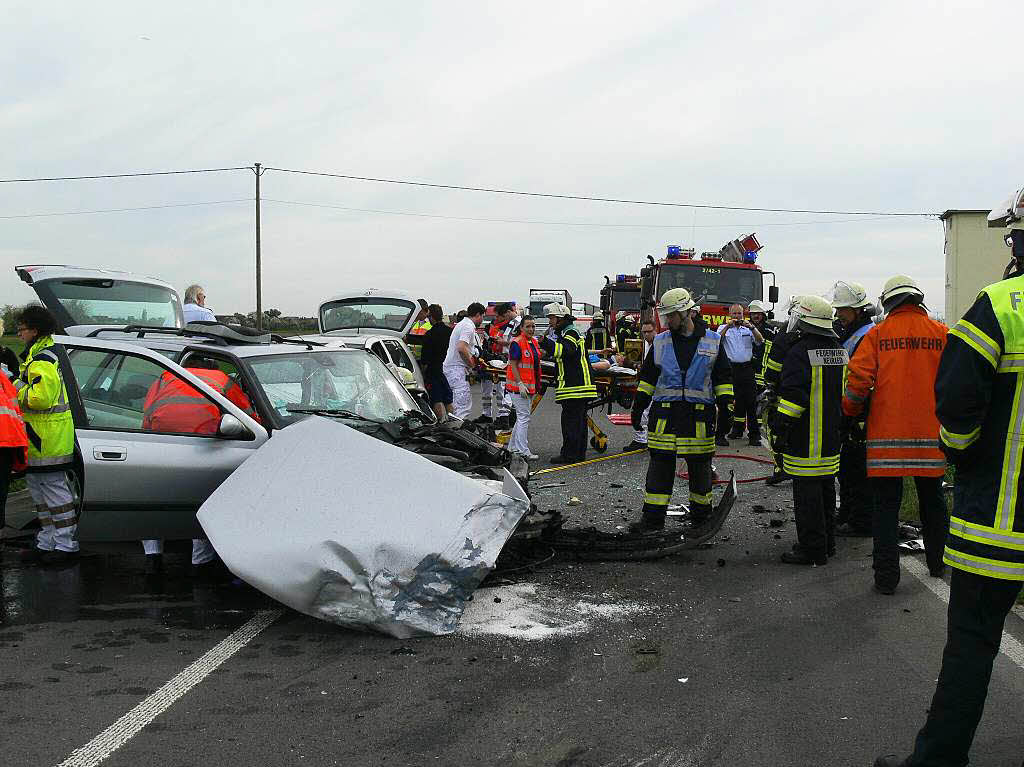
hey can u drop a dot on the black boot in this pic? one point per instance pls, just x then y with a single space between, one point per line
154 564
890 760
562 459
648 523
777 478
801 556
634 445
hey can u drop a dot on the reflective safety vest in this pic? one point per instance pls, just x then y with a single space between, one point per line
574 380
173 405
12 427
980 405
43 399
695 386
528 366
597 339
850 344
895 364
419 328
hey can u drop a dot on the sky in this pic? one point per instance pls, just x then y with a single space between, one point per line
853 107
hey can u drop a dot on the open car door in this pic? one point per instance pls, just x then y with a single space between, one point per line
143 476
83 300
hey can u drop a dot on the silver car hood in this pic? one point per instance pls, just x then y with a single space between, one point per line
349 529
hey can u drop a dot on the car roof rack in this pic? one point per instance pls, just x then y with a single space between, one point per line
218 333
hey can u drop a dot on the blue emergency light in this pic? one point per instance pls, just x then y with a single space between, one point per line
674 251
750 257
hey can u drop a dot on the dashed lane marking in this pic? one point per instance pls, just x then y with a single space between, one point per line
1009 647
129 725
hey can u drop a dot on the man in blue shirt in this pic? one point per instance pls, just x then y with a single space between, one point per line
739 337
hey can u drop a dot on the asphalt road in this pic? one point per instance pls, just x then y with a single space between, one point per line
720 656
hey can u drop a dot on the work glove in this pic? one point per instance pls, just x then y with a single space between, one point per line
846 428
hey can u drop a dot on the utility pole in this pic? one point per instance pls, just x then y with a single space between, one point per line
259 264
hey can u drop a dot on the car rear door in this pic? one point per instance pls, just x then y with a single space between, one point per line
83 300
141 480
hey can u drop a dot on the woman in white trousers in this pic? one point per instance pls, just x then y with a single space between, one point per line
522 382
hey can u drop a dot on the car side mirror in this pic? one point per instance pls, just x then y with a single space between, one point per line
231 428
773 294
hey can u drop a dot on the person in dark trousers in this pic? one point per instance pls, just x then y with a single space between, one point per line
805 428
597 338
854 312
759 319
978 403
683 378
739 339
434 348
896 365
776 355
574 385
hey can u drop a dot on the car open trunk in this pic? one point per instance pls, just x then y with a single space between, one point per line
83 300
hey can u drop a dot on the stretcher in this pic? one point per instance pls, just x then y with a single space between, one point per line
615 385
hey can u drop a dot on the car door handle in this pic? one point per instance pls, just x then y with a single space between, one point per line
110 453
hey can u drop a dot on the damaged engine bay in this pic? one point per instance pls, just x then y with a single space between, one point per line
346 542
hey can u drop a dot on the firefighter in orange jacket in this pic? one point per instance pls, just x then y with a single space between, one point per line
896 365
174 405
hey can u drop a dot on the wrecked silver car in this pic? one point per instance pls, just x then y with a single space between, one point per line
345 527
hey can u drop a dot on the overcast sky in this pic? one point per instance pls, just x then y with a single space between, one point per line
856 106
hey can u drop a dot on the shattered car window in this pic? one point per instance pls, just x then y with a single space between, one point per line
333 380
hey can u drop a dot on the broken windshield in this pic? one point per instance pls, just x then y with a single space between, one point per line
331 380
366 312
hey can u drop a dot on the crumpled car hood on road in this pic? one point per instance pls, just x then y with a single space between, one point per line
346 528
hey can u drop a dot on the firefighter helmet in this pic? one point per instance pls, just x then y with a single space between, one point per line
598 317
757 306
675 300
815 311
850 295
898 290
557 310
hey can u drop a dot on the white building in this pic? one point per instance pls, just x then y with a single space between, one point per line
975 257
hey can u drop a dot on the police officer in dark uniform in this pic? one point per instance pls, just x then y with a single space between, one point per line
685 375
978 402
854 311
805 428
574 385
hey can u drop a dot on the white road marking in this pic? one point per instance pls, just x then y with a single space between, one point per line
1009 647
666 757
129 725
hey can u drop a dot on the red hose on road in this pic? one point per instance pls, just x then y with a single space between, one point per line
682 474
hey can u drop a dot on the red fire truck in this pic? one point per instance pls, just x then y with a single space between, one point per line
623 295
715 280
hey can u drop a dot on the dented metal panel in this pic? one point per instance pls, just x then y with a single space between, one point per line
352 530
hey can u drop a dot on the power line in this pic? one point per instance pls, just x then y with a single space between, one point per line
122 175
565 223
623 201
124 210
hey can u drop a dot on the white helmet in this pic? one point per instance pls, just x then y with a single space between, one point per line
900 285
850 295
793 307
675 300
1010 211
557 310
757 306
816 311
598 317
